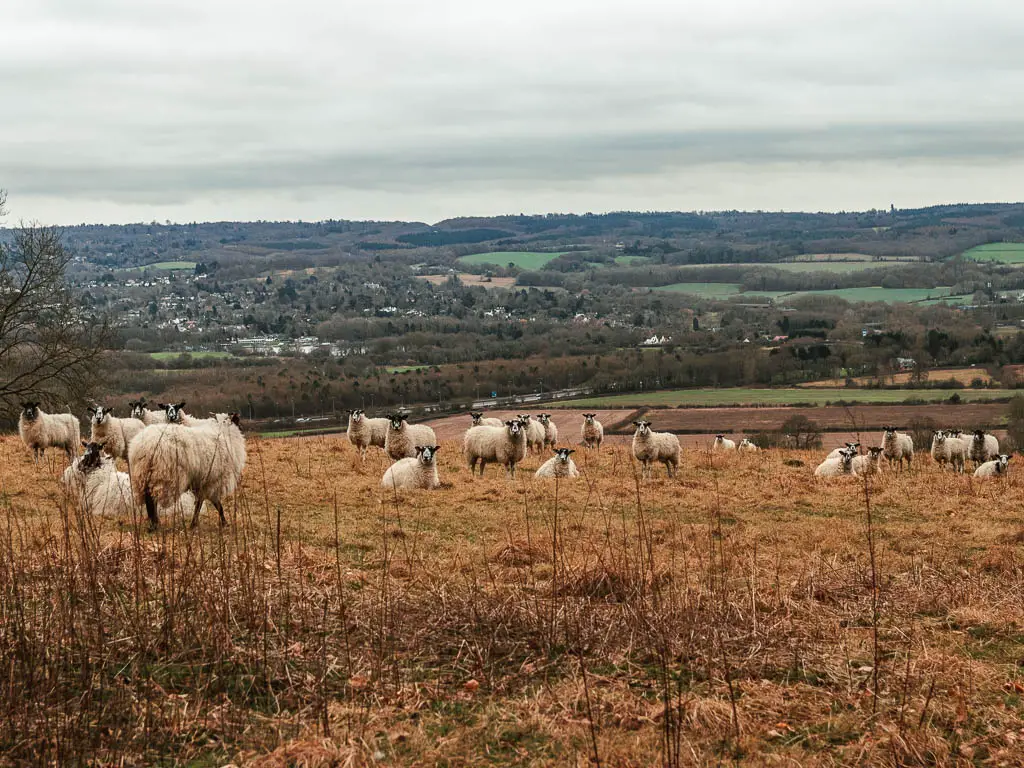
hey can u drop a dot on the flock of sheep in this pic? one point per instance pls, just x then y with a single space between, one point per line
175 461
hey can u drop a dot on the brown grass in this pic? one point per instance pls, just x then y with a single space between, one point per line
468 278
726 616
963 375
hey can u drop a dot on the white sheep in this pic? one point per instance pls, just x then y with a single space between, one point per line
550 430
112 433
412 473
649 447
40 430
957 448
534 433
993 468
722 443
505 446
560 465
592 431
746 445
165 460
843 465
838 453
402 438
364 432
479 420
142 413
868 464
897 447
984 447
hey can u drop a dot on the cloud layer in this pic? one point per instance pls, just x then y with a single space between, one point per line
117 110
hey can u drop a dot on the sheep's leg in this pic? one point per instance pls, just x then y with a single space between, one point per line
195 512
154 519
220 511
670 468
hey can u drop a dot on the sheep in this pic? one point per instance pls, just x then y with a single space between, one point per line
402 438
558 466
165 460
550 430
983 447
592 431
412 473
837 453
142 413
722 443
957 449
39 430
746 445
534 433
897 446
649 447
940 450
97 487
505 446
993 468
112 433
479 420
869 464
364 432
843 465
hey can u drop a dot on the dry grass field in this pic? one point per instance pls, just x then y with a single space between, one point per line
468 278
964 375
741 613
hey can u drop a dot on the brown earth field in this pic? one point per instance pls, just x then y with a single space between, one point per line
740 613
468 278
963 375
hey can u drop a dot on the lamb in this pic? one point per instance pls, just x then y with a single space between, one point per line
39 430
558 466
983 447
479 420
592 432
166 460
722 443
112 433
402 438
869 464
839 466
364 432
413 473
550 430
949 448
534 433
649 447
993 468
96 485
837 453
142 413
505 446
746 445
897 446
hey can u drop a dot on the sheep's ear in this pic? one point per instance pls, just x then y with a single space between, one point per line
436 448
636 423
90 409
572 450
419 449
85 444
181 405
164 406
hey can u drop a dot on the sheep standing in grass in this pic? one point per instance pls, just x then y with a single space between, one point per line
560 465
166 460
868 464
940 449
40 430
843 465
550 430
534 433
112 433
402 438
592 431
414 473
983 448
649 447
747 446
479 420
838 453
897 447
491 445
364 432
142 413
722 443
993 468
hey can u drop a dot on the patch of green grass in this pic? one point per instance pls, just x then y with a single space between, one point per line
522 259
781 396
632 261
807 266
166 265
1001 253
707 290
406 368
196 355
878 293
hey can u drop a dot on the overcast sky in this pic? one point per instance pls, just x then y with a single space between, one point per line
133 110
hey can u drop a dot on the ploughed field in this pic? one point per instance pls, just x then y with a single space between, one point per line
729 614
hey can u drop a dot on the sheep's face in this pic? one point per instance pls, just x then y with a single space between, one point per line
136 408
427 453
524 418
979 434
92 459
874 453
174 412
719 438
589 417
562 454
939 438
476 418
643 428
1002 460
100 414
514 426
235 418
30 411
544 418
397 421
890 432
355 416
847 455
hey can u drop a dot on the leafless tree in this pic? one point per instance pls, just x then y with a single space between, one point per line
50 349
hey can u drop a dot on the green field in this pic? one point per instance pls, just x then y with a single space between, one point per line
787 396
632 261
1002 253
807 266
195 355
707 290
522 259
